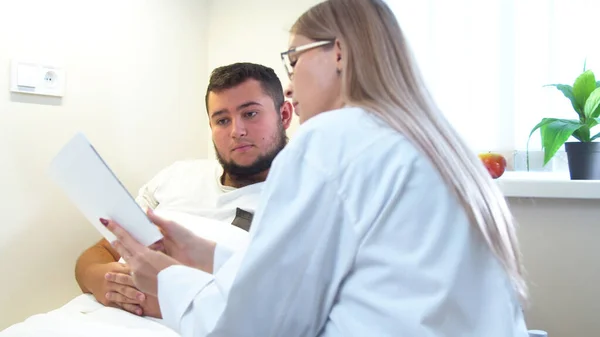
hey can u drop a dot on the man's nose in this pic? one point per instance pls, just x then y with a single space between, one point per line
238 129
289 90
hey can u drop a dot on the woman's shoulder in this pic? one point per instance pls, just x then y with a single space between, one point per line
337 138
348 116
341 125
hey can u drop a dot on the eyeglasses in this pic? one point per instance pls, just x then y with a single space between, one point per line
290 57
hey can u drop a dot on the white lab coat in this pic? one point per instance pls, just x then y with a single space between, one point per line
355 235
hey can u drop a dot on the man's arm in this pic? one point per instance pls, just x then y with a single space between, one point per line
101 259
99 254
91 265
91 270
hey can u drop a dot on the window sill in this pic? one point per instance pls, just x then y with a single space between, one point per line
547 185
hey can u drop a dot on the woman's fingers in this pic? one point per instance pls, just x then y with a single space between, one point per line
158 246
169 229
122 250
129 245
158 221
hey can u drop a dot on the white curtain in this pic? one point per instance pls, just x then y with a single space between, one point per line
486 61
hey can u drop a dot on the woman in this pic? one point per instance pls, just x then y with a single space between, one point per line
376 219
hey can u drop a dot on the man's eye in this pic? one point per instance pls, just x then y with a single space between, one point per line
251 113
293 63
222 121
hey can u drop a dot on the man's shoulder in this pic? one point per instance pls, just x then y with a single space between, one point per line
199 168
181 184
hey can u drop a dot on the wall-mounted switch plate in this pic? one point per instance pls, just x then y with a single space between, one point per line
37 79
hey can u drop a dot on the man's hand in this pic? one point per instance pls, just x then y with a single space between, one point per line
113 286
148 307
151 307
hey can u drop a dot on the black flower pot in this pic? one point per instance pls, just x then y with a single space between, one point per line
584 160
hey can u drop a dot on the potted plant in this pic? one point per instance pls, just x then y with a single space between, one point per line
583 155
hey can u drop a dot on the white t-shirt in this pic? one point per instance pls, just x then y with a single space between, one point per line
356 234
194 187
190 193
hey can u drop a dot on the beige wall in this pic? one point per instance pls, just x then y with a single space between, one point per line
136 74
560 247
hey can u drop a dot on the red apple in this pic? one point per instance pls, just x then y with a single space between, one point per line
494 163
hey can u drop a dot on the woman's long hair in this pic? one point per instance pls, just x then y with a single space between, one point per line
380 76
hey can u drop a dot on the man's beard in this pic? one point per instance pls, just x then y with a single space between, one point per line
261 164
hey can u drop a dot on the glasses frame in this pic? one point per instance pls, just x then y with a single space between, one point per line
288 64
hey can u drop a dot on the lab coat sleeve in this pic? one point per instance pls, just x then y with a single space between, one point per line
222 254
179 285
288 275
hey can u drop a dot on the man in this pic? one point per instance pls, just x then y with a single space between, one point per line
248 116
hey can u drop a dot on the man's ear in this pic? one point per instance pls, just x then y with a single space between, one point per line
286 112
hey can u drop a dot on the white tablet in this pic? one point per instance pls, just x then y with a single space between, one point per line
96 191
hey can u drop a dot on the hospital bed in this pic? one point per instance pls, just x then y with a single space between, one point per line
84 316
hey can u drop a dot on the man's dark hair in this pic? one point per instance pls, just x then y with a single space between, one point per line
229 76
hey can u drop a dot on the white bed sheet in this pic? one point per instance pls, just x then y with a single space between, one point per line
84 316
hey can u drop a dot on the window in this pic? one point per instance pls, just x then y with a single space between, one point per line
486 61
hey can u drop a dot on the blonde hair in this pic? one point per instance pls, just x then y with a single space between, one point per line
380 76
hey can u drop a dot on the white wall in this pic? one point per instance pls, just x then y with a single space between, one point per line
136 75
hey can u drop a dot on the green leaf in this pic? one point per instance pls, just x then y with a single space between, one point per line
544 122
583 87
596 136
592 103
555 134
596 113
592 122
540 124
582 134
567 90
